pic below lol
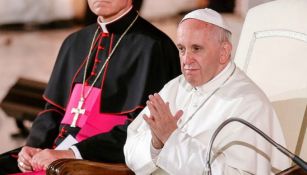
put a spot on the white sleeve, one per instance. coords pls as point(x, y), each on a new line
point(137, 148)
point(154, 153)
point(76, 152)
point(183, 154)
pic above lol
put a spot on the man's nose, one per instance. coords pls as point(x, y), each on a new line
point(187, 58)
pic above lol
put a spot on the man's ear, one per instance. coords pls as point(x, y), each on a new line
point(225, 52)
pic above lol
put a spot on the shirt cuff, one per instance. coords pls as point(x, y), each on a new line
point(76, 152)
point(154, 153)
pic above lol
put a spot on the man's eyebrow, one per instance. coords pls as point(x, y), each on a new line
point(197, 45)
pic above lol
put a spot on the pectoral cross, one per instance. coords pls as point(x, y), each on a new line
point(77, 111)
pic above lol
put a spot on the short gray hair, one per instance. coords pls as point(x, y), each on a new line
point(224, 35)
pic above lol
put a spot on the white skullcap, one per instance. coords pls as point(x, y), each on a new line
point(209, 16)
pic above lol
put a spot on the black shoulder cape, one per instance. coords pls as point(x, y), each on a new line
point(143, 62)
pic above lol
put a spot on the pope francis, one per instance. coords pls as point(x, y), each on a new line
point(171, 135)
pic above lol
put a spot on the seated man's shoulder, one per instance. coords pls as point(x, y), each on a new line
point(243, 87)
point(147, 29)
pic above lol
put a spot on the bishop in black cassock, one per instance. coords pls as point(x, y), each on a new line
point(144, 60)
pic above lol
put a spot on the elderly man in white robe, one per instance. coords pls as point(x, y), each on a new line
point(171, 135)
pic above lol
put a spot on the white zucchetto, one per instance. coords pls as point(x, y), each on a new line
point(209, 16)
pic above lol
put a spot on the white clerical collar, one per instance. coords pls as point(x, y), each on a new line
point(217, 81)
point(103, 24)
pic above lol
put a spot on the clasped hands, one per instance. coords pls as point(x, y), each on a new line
point(36, 159)
point(161, 121)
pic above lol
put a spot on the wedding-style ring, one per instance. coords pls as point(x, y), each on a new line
point(21, 164)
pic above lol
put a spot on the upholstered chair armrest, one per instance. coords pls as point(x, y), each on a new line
point(84, 167)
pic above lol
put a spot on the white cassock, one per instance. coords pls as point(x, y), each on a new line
point(237, 149)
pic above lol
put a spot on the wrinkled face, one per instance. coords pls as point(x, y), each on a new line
point(202, 54)
point(109, 9)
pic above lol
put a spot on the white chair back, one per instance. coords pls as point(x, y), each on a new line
point(272, 50)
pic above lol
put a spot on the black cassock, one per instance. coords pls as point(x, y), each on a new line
point(143, 62)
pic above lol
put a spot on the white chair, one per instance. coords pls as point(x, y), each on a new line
point(272, 50)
